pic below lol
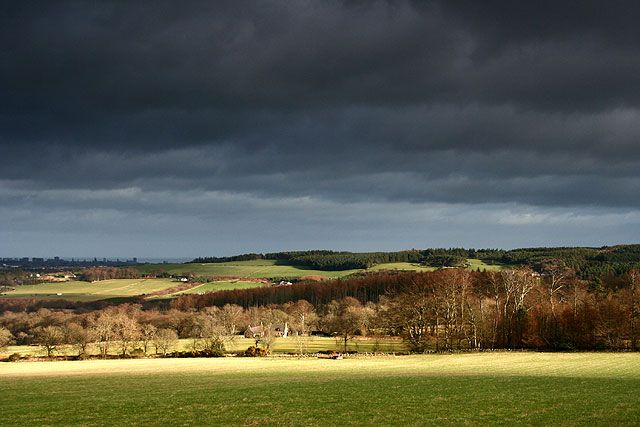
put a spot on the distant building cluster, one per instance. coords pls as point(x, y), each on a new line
point(35, 263)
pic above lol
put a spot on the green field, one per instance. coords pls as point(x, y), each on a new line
point(409, 266)
point(239, 343)
point(123, 288)
point(91, 291)
point(117, 288)
point(263, 268)
point(470, 389)
point(475, 264)
point(222, 285)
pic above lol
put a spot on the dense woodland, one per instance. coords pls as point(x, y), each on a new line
point(107, 273)
point(588, 263)
point(445, 310)
point(325, 260)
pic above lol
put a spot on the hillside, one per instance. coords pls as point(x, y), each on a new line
point(208, 277)
point(588, 262)
point(269, 268)
point(262, 268)
point(121, 288)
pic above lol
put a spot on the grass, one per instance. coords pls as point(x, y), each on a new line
point(221, 285)
point(117, 288)
point(91, 291)
point(409, 266)
point(280, 346)
point(475, 264)
point(123, 288)
point(471, 389)
point(263, 268)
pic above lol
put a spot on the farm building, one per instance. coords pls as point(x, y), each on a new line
point(253, 331)
point(278, 330)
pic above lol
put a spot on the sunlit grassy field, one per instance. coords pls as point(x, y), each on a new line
point(118, 288)
point(122, 288)
point(475, 264)
point(471, 389)
point(91, 291)
point(291, 344)
point(253, 269)
point(221, 285)
point(409, 266)
point(269, 268)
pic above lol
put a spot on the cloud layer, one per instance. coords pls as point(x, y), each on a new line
point(280, 125)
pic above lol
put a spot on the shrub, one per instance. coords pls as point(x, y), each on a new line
point(255, 352)
point(211, 353)
point(14, 357)
point(199, 353)
point(137, 353)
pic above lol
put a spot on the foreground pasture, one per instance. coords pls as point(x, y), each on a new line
point(498, 388)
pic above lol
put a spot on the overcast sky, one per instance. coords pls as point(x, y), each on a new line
point(170, 129)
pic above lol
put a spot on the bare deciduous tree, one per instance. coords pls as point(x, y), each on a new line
point(49, 337)
point(302, 317)
point(164, 339)
point(126, 331)
point(103, 328)
point(555, 276)
point(411, 313)
point(78, 337)
point(634, 303)
point(516, 285)
point(147, 332)
point(6, 338)
point(213, 332)
point(230, 316)
point(344, 319)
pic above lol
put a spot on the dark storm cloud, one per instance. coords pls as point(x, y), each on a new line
point(458, 102)
point(83, 60)
point(417, 154)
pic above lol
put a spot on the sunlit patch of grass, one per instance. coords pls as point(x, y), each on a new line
point(489, 388)
point(91, 291)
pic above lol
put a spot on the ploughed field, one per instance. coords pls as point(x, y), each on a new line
point(479, 388)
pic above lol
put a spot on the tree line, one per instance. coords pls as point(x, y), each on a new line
point(587, 262)
point(341, 260)
point(323, 259)
point(15, 277)
point(93, 274)
point(444, 310)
